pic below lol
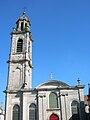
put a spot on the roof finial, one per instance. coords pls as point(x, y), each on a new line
point(51, 76)
point(78, 81)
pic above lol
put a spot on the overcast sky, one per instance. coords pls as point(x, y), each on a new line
point(61, 34)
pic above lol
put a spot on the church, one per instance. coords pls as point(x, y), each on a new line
point(51, 100)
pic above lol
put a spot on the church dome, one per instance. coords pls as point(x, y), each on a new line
point(52, 83)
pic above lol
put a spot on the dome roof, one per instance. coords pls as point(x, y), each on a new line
point(52, 83)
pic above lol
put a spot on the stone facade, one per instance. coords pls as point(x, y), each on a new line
point(52, 99)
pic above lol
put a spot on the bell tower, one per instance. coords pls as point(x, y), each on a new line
point(19, 82)
point(20, 59)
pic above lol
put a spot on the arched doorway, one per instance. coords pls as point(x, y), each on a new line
point(54, 117)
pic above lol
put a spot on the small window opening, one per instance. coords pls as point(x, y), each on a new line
point(25, 24)
point(17, 25)
point(21, 25)
point(20, 45)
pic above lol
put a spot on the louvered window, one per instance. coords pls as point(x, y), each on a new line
point(32, 112)
point(53, 101)
point(20, 45)
point(16, 112)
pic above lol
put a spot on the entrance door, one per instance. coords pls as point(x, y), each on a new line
point(54, 117)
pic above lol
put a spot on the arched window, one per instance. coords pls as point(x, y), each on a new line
point(16, 112)
point(75, 110)
point(53, 100)
point(54, 117)
point(32, 112)
point(20, 45)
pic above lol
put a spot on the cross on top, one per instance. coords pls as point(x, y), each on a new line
point(24, 10)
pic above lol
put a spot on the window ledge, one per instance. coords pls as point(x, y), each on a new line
point(53, 109)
